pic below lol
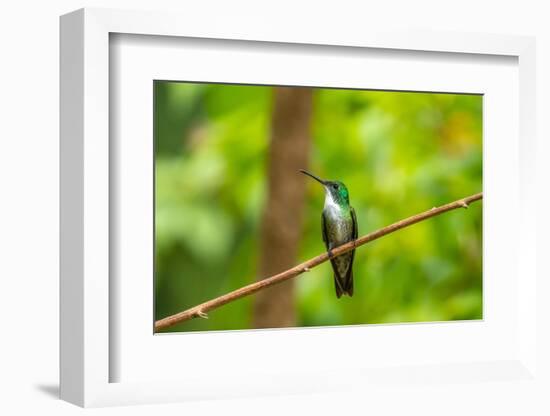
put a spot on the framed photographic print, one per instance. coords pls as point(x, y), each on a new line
point(230, 203)
point(267, 213)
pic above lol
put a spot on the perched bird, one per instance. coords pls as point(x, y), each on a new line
point(339, 226)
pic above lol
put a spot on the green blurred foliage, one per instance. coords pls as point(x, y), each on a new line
point(399, 153)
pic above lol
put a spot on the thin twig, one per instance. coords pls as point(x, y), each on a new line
point(200, 310)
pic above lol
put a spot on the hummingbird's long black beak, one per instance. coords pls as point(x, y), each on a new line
point(322, 182)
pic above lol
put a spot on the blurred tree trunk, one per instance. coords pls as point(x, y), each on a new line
point(282, 218)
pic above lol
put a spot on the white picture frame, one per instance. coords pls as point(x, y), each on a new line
point(86, 206)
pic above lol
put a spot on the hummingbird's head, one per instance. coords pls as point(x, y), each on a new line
point(335, 191)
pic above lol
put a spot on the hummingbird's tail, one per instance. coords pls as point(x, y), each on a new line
point(339, 290)
point(349, 286)
point(344, 287)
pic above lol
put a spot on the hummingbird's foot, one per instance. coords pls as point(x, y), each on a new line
point(330, 255)
point(202, 315)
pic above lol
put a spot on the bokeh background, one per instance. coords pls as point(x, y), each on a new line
point(232, 208)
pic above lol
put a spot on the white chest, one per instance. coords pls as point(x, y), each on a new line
point(332, 209)
point(340, 227)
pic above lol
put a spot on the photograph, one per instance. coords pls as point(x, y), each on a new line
point(254, 180)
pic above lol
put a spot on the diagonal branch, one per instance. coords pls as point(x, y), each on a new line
point(199, 311)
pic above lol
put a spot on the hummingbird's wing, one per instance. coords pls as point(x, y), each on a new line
point(337, 281)
point(354, 219)
point(349, 276)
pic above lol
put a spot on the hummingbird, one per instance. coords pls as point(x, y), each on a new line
point(339, 226)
